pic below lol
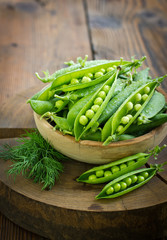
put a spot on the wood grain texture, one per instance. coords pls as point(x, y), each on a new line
point(69, 210)
point(130, 28)
point(37, 35)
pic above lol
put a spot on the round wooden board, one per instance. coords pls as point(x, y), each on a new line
point(69, 210)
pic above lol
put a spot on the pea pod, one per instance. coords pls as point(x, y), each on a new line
point(154, 122)
point(116, 101)
point(65, 79)
point(154, 106)
point(71, 68)
point(76, 108)
point(41, 107)
point(61, 123)
point(80, 126)
point(126, 66)
point(110, 171)
point(129, 182)
point(129, 111)
point(142, 75)
point(41, 95)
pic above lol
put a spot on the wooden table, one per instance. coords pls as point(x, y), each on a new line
point(37, 35)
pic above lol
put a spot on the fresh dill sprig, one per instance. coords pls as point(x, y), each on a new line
point(34, 158)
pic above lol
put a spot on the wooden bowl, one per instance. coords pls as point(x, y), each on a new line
point(94, 152)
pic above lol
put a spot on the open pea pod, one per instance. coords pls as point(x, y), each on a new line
point(116, 101)
point(89, 114)
point(154, 106)
point(138, 130)
point(76, 108)
point(129, 111)
point(110, 171)
point(127, 183)
point(79, 74)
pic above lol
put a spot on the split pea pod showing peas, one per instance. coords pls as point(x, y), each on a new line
point(128, 182)
point(129, 111)
point(89, 114)
point(108, 172)
point(85, 75)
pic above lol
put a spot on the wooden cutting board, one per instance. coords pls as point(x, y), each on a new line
point(69, 210)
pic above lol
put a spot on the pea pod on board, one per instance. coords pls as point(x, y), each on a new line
point(89, 114)
point(129, 182)
point(110, 171)
point(129, 111)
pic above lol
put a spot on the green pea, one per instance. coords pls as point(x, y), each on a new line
point(128, 181)
point(120, 128)
point(59, 103)
point(99, 173)
point(134, 178)
point(83, 120)
point(98, 74)
point(144, 174)
point(140, 179)
point(123, 166)
point(107, 173)
point(147, 89)
point(124, 120)
point(138, 97)
point(117, 187)
point(95, 107)
point(131, 162)
point(129, 106)
point(86, 79)
point(98, 101)
point(123, 185)
point(92, 177)
point(90, 75)
point(137, 107)
point(74, 81)
point(89, 114)
point(102, 70)
point(102, 94)
point(110, 69)
point(115, 169)
point(129, 116)
point(106, 88)
point(144, 97)
point(110, 190)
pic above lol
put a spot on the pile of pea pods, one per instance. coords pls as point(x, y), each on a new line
point(101, 100)
point(124, 175)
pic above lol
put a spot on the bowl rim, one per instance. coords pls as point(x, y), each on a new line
point(100, 144)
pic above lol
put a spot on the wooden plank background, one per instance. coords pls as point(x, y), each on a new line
point(37, 35)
